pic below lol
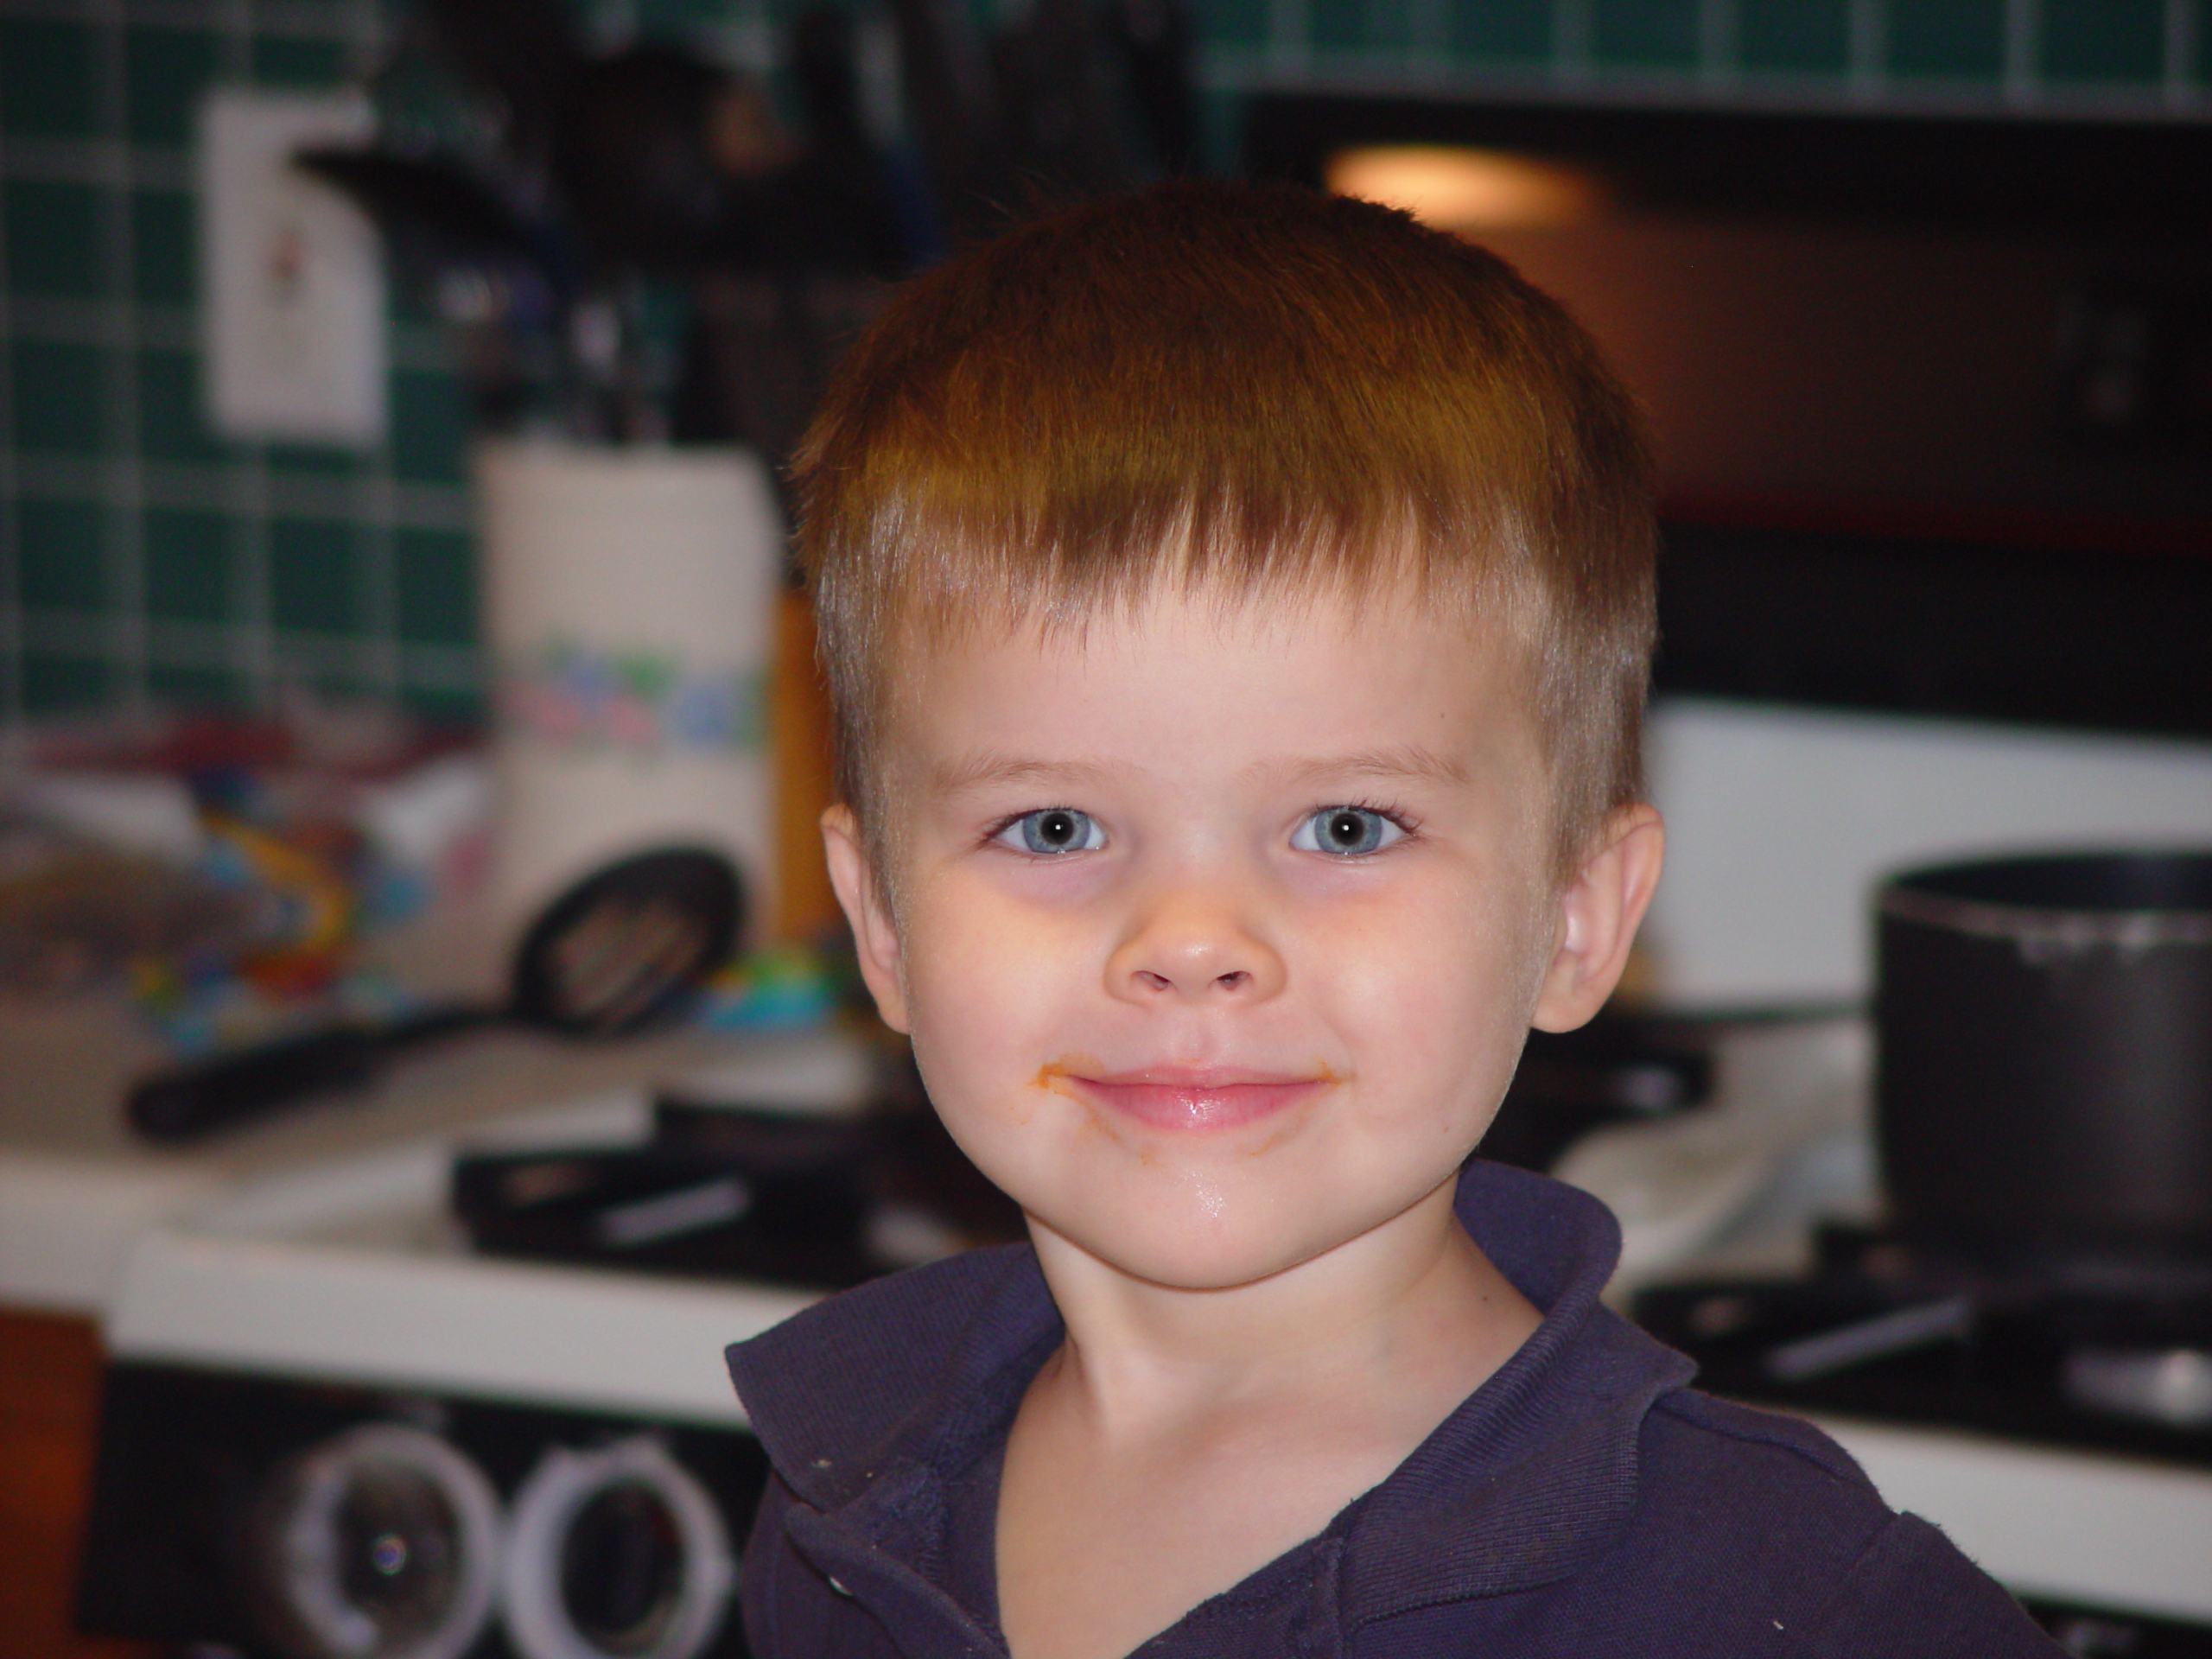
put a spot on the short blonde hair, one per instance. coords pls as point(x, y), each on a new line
point(1250, 390)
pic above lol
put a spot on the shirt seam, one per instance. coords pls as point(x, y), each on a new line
point(1668, 1403)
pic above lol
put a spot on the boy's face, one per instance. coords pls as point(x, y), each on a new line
point(1217, 940)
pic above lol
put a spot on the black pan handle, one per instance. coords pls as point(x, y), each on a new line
point(183, 1102)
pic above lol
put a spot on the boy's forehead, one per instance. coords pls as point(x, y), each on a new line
point(1383, 684)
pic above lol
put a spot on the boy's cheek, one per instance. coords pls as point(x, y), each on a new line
point(978, 972)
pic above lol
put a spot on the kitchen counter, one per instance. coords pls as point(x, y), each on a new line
point(76, 1187)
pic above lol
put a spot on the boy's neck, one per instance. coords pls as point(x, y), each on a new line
point(1404, 1320)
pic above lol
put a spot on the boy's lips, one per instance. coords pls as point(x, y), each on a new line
point(1196, 1097)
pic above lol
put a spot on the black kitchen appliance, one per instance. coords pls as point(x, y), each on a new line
point(2044, 1080)
point(1931, 391)
point(285, 1516)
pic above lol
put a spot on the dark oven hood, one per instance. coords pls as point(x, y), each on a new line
point(1932, 394)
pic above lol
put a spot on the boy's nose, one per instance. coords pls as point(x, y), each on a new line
point(1193, 945)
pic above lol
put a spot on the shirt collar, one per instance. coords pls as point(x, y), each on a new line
point(1533, 1474)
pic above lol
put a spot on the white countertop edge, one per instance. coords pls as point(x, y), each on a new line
point(66, 1224)
point(515, 1331)
point(2105, 1530)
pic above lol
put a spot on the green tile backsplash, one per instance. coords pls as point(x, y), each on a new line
point(142, 560)
point(50, 74)
point(1803, 37)
point(2115, 41)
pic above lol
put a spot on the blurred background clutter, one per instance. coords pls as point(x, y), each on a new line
point(426, 1035)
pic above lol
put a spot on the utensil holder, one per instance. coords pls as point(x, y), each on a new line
point(629, 605)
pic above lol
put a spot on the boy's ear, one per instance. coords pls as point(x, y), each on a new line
point(861, 895)
point(1599, 914)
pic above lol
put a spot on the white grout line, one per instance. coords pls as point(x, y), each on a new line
point(1867, 49)
point(1572, 57)
point(1381, 74)
point(215, 488)
point(441, 668)
point(614, 23)
point(375, 506)
point(378, 575)
point(2180, 44)
point(12, 734)
point(1719, 46)
point(247, 477)
point(173, 643)
point(250, 532)
point(2023, 61)
point(1428, 37)
point(96, 322)
point(83, 632)
point(306, 20)
point(1290, 35)
point(233, 21)
point(125, 540)
point(106, 162)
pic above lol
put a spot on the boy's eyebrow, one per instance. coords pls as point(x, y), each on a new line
point(982, 769)
point(1412, 763)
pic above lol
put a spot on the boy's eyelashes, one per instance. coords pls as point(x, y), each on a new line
point(1347, 830)
point(1050, 831)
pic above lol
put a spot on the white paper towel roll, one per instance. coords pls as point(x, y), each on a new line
point(629, 603)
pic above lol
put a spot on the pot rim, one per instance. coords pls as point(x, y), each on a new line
point(1908, 897)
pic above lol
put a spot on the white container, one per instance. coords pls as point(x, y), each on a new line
point(629, 607)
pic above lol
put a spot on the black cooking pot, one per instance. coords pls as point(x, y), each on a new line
point(2044, 1082)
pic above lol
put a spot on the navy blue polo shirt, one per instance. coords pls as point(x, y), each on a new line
point(1583, 1502)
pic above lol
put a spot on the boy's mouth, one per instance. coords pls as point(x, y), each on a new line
point(1187, 1097)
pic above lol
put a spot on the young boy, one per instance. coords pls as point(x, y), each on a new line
point(1237, 604)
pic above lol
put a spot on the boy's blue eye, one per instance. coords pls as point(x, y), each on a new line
point(1054, 829)
point(1345, 831)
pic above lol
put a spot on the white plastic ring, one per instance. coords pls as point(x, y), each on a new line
point(566, 1480)
point(308, 1572)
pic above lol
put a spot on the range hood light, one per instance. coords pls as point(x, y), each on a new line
point(1468, 190)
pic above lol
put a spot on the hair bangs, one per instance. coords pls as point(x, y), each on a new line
point(1252, 394)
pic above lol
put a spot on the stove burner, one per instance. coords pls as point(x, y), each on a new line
point(727, 1192)
point(2170, 1386)
point(2100, 1354)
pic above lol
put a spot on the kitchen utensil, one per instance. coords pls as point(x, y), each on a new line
point(1155, 40)
point(1061, 132)
point(2044, 1075)
point(525, 54)
point(634, 158)
point(946, 84)
point(435, 198)
point(614, 953)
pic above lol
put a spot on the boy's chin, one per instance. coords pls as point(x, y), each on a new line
point(1197, 1252)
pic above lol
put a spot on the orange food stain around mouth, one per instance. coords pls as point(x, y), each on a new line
point(1054, 1077)
point(1057, 1077)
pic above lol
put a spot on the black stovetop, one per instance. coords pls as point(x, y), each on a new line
point(1879, 1330)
